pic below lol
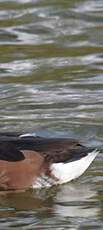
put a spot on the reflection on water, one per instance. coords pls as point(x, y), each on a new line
point(72, 201)
point(54, 207)
point(51, 84)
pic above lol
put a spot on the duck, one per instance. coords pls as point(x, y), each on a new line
point(28, 161)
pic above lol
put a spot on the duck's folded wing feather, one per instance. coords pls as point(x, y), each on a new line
point(9, 152)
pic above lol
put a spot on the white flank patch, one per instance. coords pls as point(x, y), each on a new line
point(66, 172)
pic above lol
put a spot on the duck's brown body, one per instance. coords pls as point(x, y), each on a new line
point(20, 174)
point(24, 158)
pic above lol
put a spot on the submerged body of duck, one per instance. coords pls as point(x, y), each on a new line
point(30, 161)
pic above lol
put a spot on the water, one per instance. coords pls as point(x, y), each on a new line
point(51, 84)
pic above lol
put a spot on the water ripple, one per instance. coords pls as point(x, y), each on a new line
point(51, 84)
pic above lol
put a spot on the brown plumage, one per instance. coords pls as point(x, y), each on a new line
point(20, 174)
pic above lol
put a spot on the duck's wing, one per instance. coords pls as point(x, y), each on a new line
point(9, 152)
